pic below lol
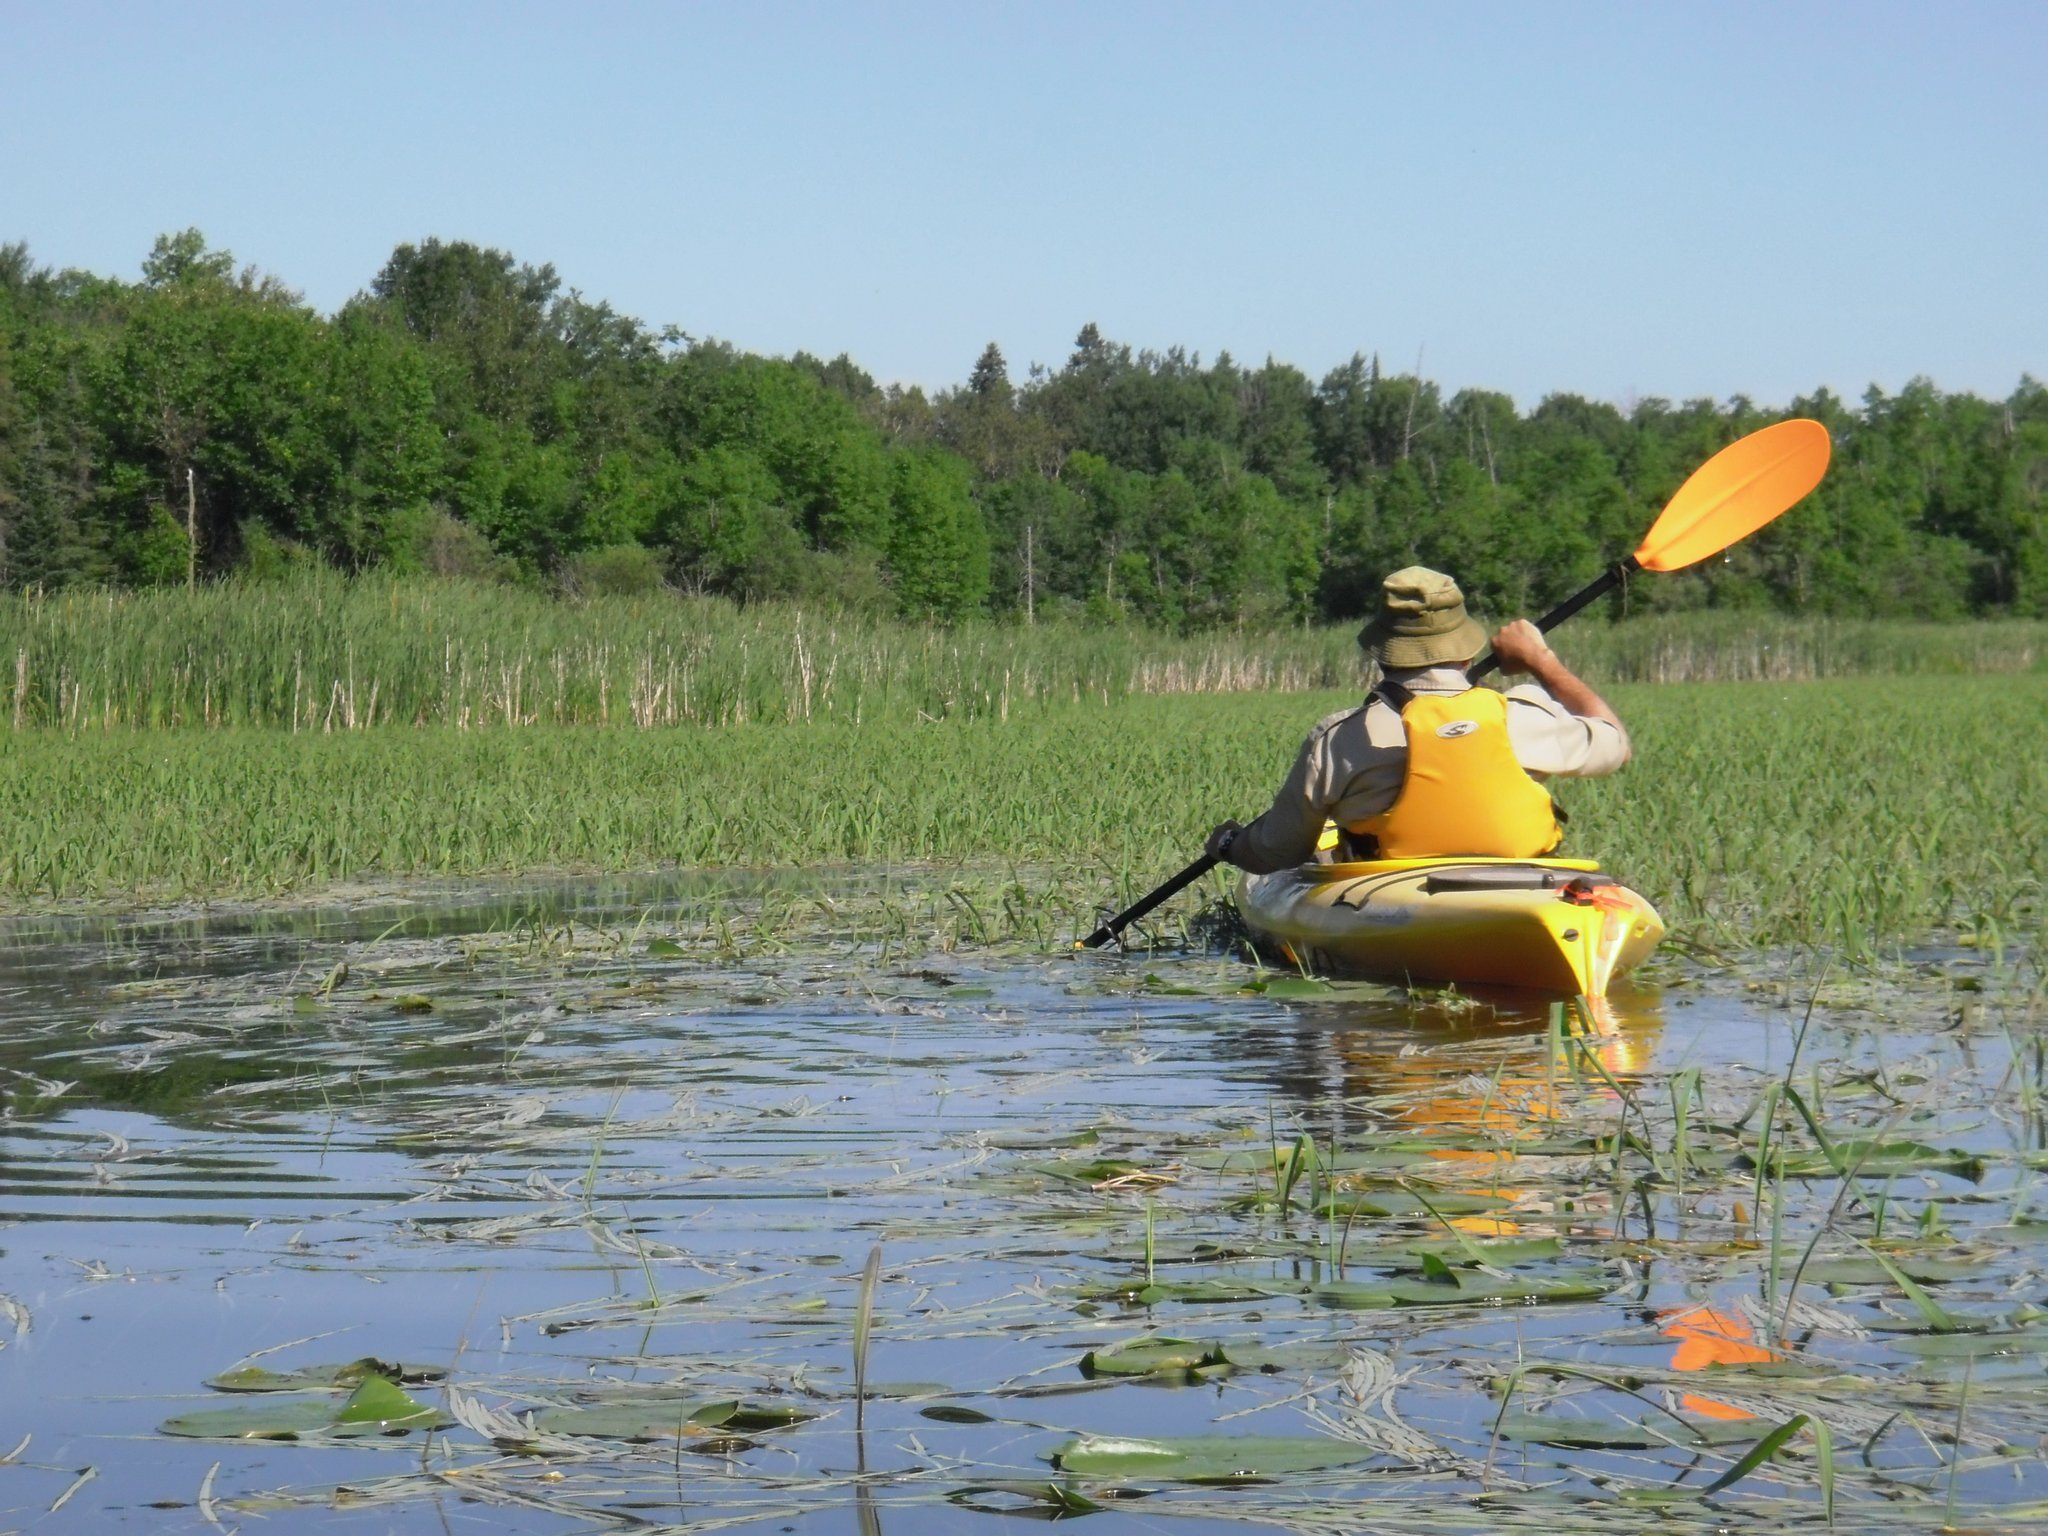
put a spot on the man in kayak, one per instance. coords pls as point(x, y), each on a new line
point(1431, 764)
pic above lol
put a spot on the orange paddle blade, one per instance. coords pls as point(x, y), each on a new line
point(1736, 492)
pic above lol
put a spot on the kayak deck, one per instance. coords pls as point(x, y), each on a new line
point(1551, 925)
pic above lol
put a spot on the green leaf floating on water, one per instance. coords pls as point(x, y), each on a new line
point(280, 1419)
point(652, 1416)
point(956, 1413)
point(1871, 1271)
point(1155, 1355)
point(1045, 1499)
point(1570, 1432)
point(1501, 1251)
point(1215, 1288)
point(1248, 1356)
point(348, 1374)
point(1355, 1295)
point(908, 1389)
point(1443, 1286)
point(1202, 1458)
point(383, 1403)
point(1397, 1203)
point(1573, 1433)
point(1876, 1160)
point(1100, 1170)
point(1192, 1360)
point(1293, 988)
point(1952, 1346)
point(376, 1407)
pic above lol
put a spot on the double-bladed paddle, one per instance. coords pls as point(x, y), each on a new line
point(1726, 499)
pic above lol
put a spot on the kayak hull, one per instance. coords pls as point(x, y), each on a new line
point(1548, 925)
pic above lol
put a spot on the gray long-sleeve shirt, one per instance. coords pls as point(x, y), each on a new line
point(1351, 767)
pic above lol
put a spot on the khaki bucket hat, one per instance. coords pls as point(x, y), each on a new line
point(1421, 622)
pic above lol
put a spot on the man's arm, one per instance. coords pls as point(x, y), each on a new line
point(1286, 835)
point(1520, 647)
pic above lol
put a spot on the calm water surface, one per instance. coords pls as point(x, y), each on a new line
point(570, 1145)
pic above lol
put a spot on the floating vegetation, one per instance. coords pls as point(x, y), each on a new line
point(744, 1207)
point(344, 1377)
point(377, 1406)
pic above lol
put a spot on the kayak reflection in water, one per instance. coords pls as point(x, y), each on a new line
point(1482, 1123)
point(1431, 764)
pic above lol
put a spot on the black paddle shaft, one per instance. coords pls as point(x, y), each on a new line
point(1600, 586)
point(1166, 892)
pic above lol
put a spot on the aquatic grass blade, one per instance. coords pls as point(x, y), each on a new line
point(863, 1333)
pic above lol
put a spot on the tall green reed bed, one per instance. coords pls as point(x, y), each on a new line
point(322, 652)
point(1854, 813)
point(1719, 646)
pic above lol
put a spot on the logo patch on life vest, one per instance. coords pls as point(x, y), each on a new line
point(1457, 728)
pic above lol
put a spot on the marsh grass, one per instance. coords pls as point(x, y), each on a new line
point(1853, 815)
point(322, 652)
point(325, 653)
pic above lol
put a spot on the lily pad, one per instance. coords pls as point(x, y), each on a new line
point(908, 1389)
point(1355, 1295)
point(1574, 1433)
point(1396, 1203)
point(1294, 988)
point(1285, 1357)
point(376, 1407)
point(1496, 1251)
point(1447, 1287)
point(349, 1374)
point(1953, 1346)
point(656, 1416)
point(384, 1404)
point(1100, 1170)
point(756, 1416)
point(1045, 1499)
point(956, 1413)
point(1154, 1355)
point(1878, 1160)
point(1203, 1458)
point(1863, 1271)
point(275, 1420)
point(1215, 1288)
point(1571, 1432)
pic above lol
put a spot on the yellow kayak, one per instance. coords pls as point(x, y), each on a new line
point(1551, 925)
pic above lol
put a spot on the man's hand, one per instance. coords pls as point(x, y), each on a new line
point(1221, 839)
point(1520, 647)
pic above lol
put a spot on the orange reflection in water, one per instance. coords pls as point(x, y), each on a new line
point(1707, 1337)
point(1617, 1037)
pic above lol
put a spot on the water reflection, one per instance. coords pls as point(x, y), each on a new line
point(1390, 1045)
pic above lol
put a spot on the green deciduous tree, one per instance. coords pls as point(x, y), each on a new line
point(938, 549)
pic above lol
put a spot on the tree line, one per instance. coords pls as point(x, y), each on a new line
point(467, 414)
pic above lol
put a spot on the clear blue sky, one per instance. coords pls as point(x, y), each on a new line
point(1618, 200)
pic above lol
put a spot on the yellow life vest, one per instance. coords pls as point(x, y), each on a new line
point(1465, 795)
